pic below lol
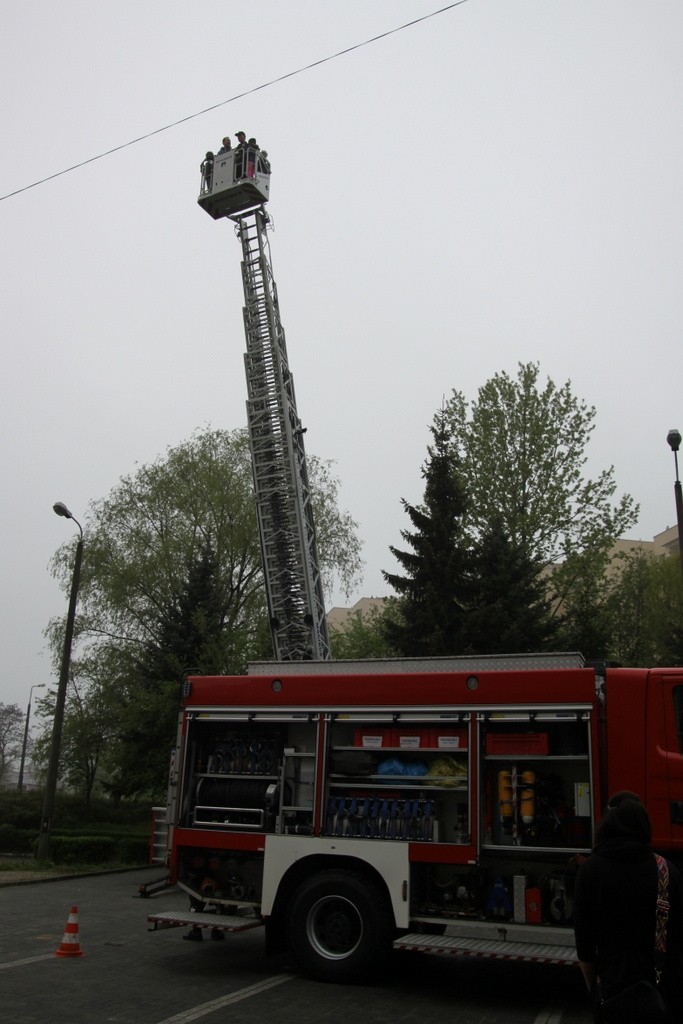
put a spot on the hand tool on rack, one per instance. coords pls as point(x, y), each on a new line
point(384, 819)
point(427, 812)
point(352, 818)
point(342, 812)
point(331, 815)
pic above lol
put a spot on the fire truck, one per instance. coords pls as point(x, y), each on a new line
point(348, 808)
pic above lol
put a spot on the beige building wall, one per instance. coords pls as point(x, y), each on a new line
point(338, 616)
point(664, 543)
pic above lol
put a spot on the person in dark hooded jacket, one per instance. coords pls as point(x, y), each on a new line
point(615, 902)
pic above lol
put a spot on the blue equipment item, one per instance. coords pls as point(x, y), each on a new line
point(499, 901)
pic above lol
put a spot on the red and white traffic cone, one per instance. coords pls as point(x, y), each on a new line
point(70, 945)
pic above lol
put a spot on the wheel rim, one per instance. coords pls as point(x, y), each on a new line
point(334, 927)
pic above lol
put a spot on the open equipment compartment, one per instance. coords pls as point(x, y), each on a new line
point(400, 776)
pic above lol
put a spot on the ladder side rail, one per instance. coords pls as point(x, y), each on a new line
point(317, 599)
point(293, 589)
point(299, 471)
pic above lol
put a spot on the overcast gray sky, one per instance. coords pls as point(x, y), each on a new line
point(498, 183)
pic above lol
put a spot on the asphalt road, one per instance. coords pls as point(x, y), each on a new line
point(130, 975)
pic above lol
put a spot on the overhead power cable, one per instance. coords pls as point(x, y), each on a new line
point(232, 99)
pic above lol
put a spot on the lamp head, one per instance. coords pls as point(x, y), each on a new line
point(674, 439)
point(60, 508)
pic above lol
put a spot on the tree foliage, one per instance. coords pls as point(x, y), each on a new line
point(86, 734)
point(172, 583)
point(363, 635)
point(645, 605)
point(509, 610)
point(11, 736)
point(433, 589)
point(530, 526)
point(523, 450)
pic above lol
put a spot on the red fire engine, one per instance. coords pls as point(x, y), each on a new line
point(347, 807)
point(442, 805)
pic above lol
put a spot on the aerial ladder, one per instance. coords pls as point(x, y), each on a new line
point(235, 185)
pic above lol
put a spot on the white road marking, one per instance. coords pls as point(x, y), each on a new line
point(27, 960)
point(235, 997)
point(549, 1016)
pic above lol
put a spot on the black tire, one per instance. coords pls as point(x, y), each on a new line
point(340, 925)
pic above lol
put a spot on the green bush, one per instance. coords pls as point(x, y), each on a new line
point(23, 810)
point(105, 833)
point(134, 850)
point(98, 849)
point(82, 849)
point(16, 840)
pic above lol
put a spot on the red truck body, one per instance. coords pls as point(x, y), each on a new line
point(440, 806)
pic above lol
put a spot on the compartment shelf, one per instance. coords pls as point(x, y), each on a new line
point(536, 757)
point(451, 751)
point(234, 775)
point(399, 782)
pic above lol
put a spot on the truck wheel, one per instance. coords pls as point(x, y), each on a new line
point(340, 925)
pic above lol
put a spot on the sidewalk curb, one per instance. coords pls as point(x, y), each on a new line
point(6, 882)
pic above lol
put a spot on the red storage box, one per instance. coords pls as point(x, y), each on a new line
point(410, 739)
point(525, 743)
point(372, 739)
point(448, 739)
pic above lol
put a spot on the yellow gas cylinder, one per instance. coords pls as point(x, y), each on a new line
point(505, 800)
point(527, 798)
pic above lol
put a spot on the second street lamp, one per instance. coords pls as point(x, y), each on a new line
point(674, 441)
point(36, 686)
point(53, 766)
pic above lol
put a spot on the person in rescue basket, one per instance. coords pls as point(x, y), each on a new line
point(618, 909)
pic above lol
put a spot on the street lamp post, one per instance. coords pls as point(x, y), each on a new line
point(36, 686)
point(53, 766)
point(674, 441)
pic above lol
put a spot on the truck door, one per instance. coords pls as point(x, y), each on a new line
point(665, 759)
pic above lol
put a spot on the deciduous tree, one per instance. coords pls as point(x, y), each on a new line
point(11, 735)
point(524, 452)
point(172, 582)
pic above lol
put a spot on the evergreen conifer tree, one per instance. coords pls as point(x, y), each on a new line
point(432, 593)
point(510, 611)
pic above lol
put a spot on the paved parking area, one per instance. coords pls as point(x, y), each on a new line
point(129, 975)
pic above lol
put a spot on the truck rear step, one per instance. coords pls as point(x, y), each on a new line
point(219, 922)
point(456, 946)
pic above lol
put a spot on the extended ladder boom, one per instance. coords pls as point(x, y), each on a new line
point(283, 497)
point(235, 185)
